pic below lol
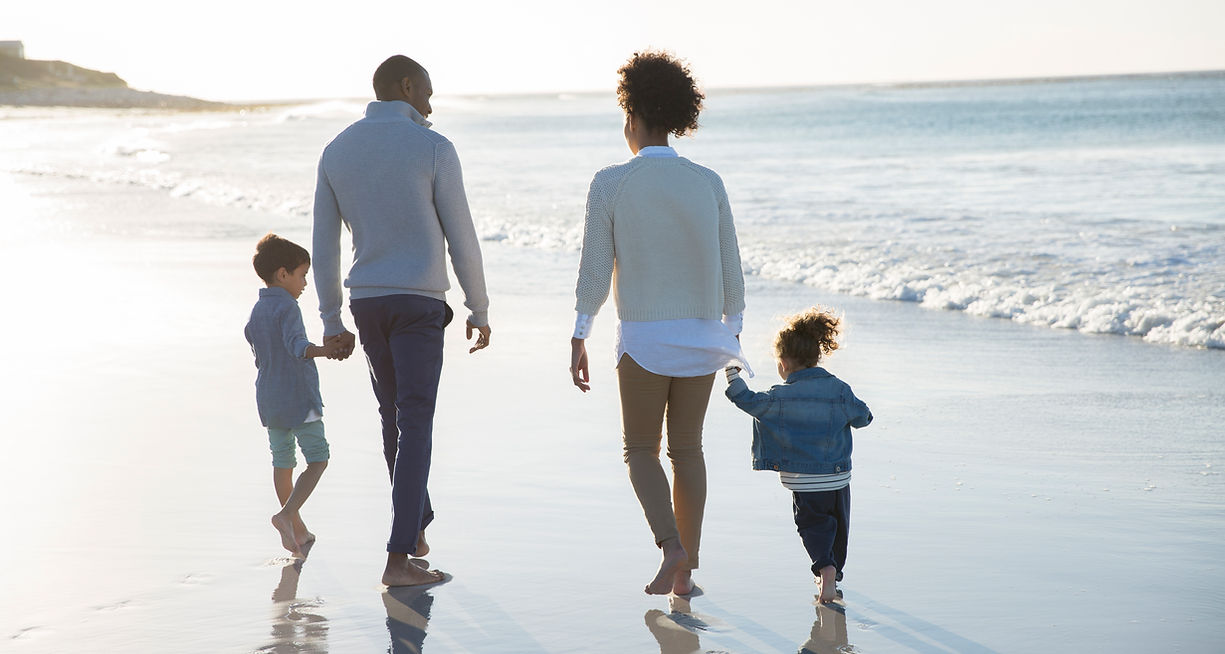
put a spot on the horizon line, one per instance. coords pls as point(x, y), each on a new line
point(932, 83)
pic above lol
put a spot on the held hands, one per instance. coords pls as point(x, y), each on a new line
point(578, 364)
point(339, 346)
point(482, 339)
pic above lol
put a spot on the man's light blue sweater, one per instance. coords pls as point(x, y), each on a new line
point(397, 186)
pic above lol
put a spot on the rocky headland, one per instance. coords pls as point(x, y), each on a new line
point(36, 83)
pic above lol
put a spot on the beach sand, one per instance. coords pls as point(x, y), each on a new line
point(1021, 488)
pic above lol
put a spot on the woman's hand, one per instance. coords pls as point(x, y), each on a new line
point(578, 364)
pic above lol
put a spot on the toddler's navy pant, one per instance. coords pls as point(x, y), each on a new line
point(823, 519)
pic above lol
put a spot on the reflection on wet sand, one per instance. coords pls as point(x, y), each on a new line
point(408, 616)
point(297, 626)
point(829, 631)
point(678, 632)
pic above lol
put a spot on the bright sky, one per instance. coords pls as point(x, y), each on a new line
point(274, 49)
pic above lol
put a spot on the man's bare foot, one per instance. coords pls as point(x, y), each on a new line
point(674, 557)
point(828, 585)
point(682, 582)
point(284, 526)
point(403, 573)
point(423, 547)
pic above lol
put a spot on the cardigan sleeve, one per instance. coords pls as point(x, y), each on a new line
point(729, 251)
point(595, 268)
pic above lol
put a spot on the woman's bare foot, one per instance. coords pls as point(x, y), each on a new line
point(423, 547)
point(674, 557)
point(828, 586)
point(284, 526)
point(399, 572)
point(682, 582)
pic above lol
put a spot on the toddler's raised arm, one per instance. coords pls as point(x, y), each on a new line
point(754, 404)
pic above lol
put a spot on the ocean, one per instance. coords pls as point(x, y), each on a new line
point(1090, 204)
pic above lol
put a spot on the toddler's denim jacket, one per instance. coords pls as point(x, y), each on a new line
point(804, 424)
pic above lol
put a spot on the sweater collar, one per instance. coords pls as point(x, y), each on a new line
point(814, 372)
point(657, 152)
point(395, 108)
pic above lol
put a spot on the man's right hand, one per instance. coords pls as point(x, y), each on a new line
point(343, 344)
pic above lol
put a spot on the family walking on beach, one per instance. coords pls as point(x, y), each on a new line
point(658, 235)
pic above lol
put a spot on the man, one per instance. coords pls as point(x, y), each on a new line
point(397, 186)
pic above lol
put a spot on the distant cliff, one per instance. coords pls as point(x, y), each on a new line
point(30, 82)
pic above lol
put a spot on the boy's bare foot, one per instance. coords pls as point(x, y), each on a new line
point(284, 526)
point(423, 547)
point(403, 573)
point(674, 557)
point(682, 582)
point(828, 585)
point(304, 538)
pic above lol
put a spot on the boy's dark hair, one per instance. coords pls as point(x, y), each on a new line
point(273, 253)
point(658, 89)
point(807, 337)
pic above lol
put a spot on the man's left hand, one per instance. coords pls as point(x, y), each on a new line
point(482, 338)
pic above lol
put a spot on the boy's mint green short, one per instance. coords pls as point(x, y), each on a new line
point(310, 439)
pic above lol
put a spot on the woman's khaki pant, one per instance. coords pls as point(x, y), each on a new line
point(646, 398)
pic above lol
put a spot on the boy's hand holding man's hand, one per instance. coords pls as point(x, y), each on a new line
point(339, 346)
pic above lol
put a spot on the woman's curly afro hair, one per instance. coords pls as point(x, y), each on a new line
point(659, 89)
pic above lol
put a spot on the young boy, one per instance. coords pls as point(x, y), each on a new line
point(802, 428)
point(287, 385)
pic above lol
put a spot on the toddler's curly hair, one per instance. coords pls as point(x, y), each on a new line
point(808, 337)
point(659, 89)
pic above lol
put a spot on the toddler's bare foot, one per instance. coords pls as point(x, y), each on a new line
point(406, 574)
point(828, 586)
point(423, 547)
point(284, 526)
point(682, 582)
point(674, 557)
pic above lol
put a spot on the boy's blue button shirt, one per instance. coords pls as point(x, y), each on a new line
point(803, 424)
point(287, 385)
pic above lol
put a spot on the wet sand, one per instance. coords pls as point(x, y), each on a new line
point(1021, 488)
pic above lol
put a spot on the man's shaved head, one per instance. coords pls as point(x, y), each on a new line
point(389, 73)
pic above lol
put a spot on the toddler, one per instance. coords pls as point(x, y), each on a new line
point(802, 429)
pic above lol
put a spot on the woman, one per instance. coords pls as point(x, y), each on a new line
point(659, 232)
